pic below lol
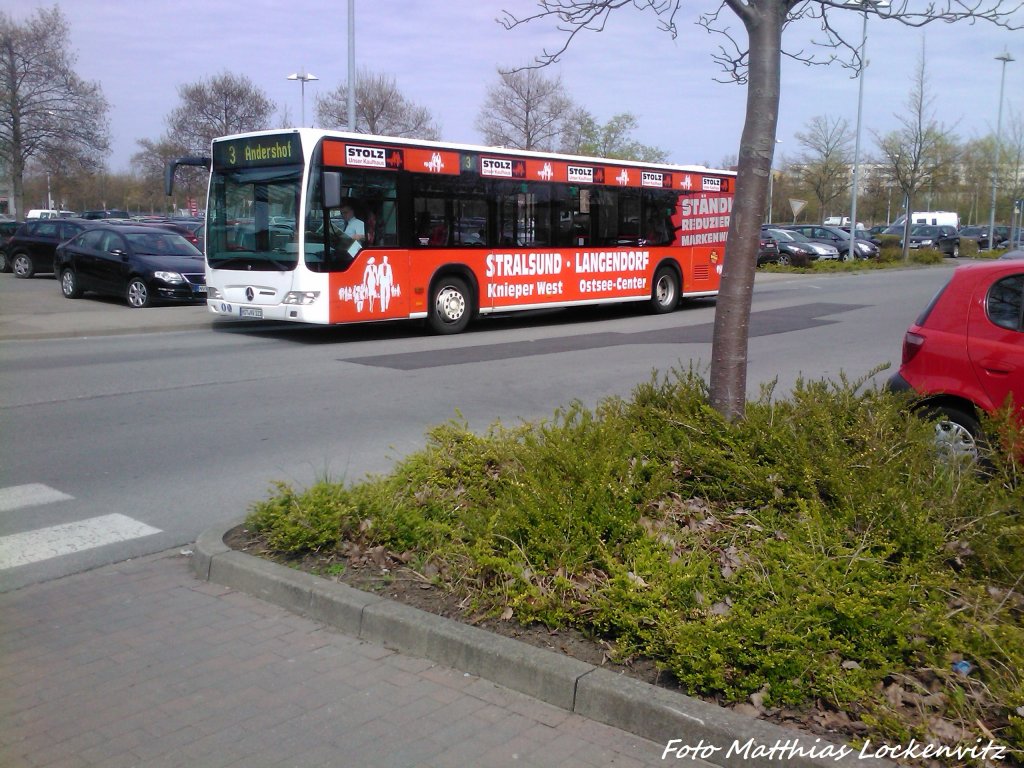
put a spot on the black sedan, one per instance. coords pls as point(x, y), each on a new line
point(31, 248)
point(980, 235)
point(141, 263)
point(942, 238)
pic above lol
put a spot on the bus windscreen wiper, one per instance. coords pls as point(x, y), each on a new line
point(261, 262)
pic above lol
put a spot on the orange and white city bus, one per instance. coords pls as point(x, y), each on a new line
point(325, 227)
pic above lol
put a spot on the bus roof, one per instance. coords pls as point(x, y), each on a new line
point(312, 135)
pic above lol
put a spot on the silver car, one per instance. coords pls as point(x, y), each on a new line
point(824, 250)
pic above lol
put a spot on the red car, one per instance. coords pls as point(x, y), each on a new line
point(965, 353)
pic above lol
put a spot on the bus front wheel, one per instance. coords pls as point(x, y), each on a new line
point(665, 292)
point(450, 306)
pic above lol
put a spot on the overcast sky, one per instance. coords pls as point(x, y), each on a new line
point(444, 54)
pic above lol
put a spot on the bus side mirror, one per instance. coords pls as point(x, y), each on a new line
point(172, 166)
point(332, 189)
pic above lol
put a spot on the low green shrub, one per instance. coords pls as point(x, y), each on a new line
point(926, 256)
point(814, 551)
point(969, 248)
point(893, 255)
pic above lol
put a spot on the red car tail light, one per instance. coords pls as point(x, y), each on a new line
point(912, 343)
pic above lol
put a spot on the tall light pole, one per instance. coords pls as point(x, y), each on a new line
point(771, 183)
point(303, 77)
point(352, 65)
point(863, 5)
point(1006, 58)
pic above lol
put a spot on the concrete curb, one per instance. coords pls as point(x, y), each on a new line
point(653, 713)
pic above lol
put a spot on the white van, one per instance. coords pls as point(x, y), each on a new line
point(934, 218)
point(840, 221)
point(42, 213)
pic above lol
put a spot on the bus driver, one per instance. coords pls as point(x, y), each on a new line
point(354, 227)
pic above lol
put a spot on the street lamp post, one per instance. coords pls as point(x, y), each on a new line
point(352, 65)
point(771, 183)
point(863, 5)
point(303, 77)
point(1006, 58)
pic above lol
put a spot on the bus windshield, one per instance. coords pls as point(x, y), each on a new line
point(253, 218)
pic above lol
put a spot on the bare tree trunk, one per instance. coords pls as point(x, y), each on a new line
point(728, 378)
point(908, 224)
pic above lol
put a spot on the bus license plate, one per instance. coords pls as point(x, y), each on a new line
point(256, 312)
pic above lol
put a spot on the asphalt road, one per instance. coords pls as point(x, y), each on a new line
point(128, 432)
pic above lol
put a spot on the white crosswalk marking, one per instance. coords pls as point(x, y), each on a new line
point(44, 543)
point(30, 495)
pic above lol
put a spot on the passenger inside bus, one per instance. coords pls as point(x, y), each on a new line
point(658, 230)
point(439, 234)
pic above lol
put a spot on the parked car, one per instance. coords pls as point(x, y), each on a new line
point(790, 250)
point(142, 263)
point(105, 214)
point(824, 251)
point(166, 224)
point(941, 237)
point(31, 249)
point(980, 235)
point(836, 237)
point(7, 229)
point(192, 230)
point(767, 251)
point(963, 356)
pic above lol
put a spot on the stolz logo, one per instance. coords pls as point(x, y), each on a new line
point(366, 157)
point(653, 179)
point(712, 184)
point(492, 166)
point(578, 174)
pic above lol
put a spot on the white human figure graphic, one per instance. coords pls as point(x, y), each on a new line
point(385, 278)
point(370, 280)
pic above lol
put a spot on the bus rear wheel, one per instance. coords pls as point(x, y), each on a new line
point(450, 306)
point(665, 292)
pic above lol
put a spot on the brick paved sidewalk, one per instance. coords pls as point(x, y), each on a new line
point(141, 664)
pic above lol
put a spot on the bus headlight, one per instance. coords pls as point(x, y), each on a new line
point(212, 293)
point(168, 277)
point(301, 297)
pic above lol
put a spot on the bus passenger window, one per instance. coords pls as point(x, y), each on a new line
point(431, 221)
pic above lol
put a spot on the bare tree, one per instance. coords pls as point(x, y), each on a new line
point(47, 112)
point(219, 106)
point(919, 151)
point(614, 139)
point(976, 174)
point(824, 166)
point(525, 110)
point(149, 164)
point(1012, 165)
point(756, 63)
point(381, 109)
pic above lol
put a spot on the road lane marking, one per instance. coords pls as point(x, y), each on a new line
point(45, 543)
point(31, 495)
